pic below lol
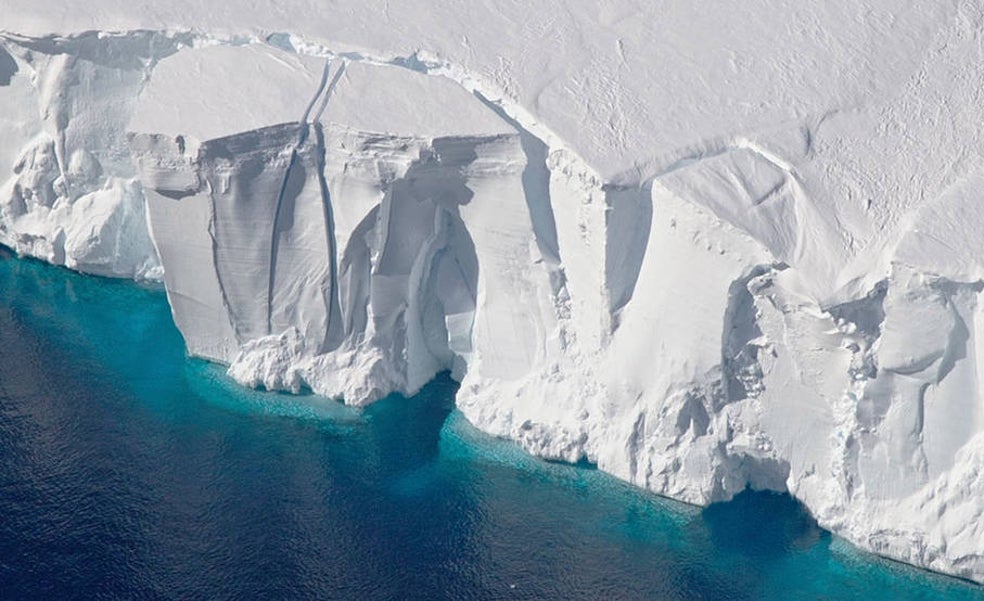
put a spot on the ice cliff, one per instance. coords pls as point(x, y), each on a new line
point(703, 248)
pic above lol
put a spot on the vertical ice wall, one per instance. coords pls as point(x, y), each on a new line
point(298, 249)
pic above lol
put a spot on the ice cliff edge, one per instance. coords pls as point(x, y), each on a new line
point(767, 275)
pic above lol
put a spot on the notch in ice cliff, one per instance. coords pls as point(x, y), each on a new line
point(778, 306)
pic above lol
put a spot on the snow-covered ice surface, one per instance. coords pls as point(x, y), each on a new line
point(703, 245)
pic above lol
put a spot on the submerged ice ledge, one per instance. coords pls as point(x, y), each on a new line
point(356, 225)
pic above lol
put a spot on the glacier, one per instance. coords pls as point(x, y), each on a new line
point(702, 247)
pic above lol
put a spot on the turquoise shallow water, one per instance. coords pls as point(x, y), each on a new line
point(128, 471)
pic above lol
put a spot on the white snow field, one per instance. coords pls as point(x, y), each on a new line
point(704, 245)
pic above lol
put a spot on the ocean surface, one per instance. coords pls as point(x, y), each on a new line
point(129, 471)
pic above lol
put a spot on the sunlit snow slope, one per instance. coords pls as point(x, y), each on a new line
point(703, 245)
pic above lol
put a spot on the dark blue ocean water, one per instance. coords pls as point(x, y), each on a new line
point(128, 471)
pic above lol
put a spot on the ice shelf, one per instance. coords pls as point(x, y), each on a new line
point(704, 247)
